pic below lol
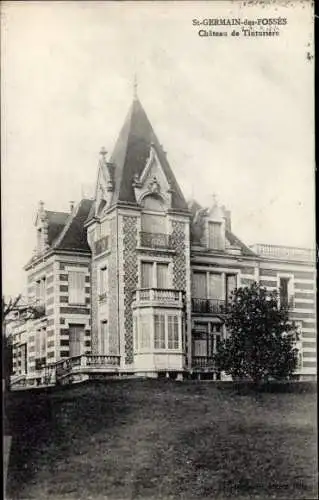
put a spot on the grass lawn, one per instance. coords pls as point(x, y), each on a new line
point(161, 439)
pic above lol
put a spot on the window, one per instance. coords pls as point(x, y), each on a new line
point(76, 287)
point(172, 333)
point(147, 275)
point(40, 291)
point(153, 202)
point(76, 340)
point(159, 331)
point(24, 359)
point(103, 281)
point(155, 275)
point(283, 291)
point(215, 286)
point(199, 285)
point(200, 339)
point(104, 341)
point(162, 275)
point(215, 235)
point(145, 332)
point(40, 343)
point(231, 284)
point(40, 349)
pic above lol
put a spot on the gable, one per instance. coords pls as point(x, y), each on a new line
point(153, 187)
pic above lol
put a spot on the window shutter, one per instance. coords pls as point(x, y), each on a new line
point(215, 289)
point(38, 344)
point(215, 235)
point(76, 339)
point(147, 274)
point(103, 280)
point(162, 275)
point(172, 335)
point(76, 287)
point(159, 333)
point(104, 338)
point(199, 286)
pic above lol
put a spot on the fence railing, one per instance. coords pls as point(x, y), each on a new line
point(207, 306)
point(155, 240)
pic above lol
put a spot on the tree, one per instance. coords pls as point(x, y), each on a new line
point(26, 312)
point(261, 341)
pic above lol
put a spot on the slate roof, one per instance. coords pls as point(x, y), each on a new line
point(56, 222)
point(73, 235)
point(131, 152)
point(197, 230)
point(66, 231)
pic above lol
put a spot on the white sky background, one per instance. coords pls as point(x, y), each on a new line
point(235, 115)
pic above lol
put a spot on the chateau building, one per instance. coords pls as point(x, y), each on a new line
point(132, 282)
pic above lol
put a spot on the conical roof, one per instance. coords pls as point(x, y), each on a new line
point(130, 155)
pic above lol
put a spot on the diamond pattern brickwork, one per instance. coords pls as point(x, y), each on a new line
point(130, 240)
point(179, 258)
point(113, 292)
point(94, 308)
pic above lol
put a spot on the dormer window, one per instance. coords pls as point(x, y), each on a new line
point(215, 236)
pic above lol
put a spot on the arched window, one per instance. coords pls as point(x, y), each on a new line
point(153, 202)
point(153, 215)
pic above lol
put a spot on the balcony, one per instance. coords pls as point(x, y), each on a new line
point(158, 296)
point(101, 245)
point(86, 363)
point(155, 240)
point(203, 362)
point(208, 306)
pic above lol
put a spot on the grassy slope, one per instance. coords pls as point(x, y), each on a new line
point(159, 439)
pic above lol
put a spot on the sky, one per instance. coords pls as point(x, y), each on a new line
point(235, 114)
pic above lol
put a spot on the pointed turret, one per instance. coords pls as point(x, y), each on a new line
point(131, 154)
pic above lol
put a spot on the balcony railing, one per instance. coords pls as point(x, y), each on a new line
point(282, 252)
point(207, 306)
point(84, 362)
point(101, 245)
point(203, 362)
point(162, 295)
point(155, 240)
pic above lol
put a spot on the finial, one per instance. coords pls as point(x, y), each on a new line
point(135, 87)
point(103, 152)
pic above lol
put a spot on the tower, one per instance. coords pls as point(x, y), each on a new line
point(138, 231)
